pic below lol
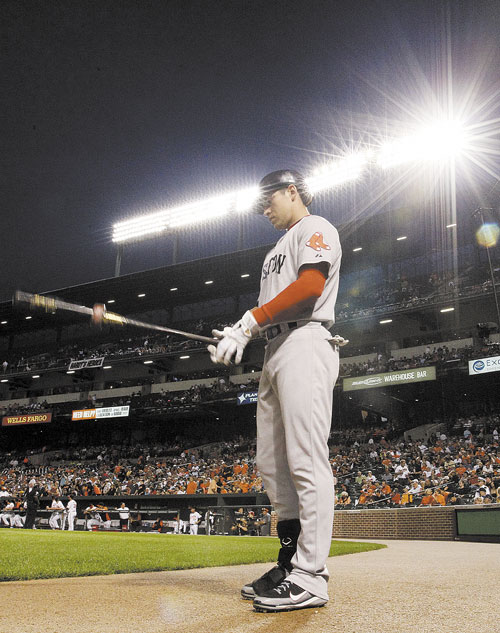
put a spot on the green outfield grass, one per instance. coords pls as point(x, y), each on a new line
point(27, 554)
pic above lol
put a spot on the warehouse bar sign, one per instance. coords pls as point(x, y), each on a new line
point(390, 378)
point(86, 363)
point(42, 417)
point(98, 414)
point(484, 365)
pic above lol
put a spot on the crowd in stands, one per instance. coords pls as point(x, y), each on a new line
point(126, 347)
point(158, 403)
point(398, 292)
point(402, 292)
point(454, 468)
point(166, 401)
point(383, 363)
point(138, 470)
point(440, 356)
point(461, 466)
point(17, 409)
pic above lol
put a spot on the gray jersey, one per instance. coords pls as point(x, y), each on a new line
point(312, 240)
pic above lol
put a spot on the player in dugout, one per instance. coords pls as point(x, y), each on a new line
point(296, 309)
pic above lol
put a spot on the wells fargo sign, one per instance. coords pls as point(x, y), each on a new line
point(41, 417)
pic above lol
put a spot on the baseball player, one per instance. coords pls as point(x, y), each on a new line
point(18, 519)
point(55, 519)
point(296, 305)
point(92, 516)
point(71, 513)
point(124, 514)
point(7, 514)
point(194, 521)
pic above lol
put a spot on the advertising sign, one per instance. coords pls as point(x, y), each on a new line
point(247, 397)
point(390, 378)
point(104, 412)
point(484, 365)
point(41, 417)
point(86, 363)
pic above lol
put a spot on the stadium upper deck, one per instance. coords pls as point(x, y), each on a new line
point(391, 244)
point(392, 297)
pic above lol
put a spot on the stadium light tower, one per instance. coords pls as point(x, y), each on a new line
point(232, 203)
point(441, 142)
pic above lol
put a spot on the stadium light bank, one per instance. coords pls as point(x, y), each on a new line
point(437, 142)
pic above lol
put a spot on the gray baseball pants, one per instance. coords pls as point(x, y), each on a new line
point(293, 424)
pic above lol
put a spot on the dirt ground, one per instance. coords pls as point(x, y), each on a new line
point(412, 586)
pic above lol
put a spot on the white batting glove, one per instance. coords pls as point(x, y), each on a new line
point(339, 340)
point(233, 340)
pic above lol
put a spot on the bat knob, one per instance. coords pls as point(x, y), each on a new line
point(98, 314)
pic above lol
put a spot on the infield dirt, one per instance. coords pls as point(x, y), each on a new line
point(411, 586)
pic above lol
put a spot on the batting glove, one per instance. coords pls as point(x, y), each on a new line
point(339, 340)
point(233, 340)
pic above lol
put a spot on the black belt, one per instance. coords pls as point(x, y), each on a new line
point(276, 330)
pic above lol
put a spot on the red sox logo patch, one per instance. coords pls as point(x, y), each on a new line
point(316, 242)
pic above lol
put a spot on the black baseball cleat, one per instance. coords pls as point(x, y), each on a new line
point(265, 583)
point(286, 597)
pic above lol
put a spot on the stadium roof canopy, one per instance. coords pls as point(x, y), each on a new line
point(374, 242)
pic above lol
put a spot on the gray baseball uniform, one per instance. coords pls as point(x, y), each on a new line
point(295, 399)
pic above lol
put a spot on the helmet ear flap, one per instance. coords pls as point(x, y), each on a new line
point(305, 194)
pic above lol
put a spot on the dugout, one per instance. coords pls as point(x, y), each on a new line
point(472, 523)
point(167, 507)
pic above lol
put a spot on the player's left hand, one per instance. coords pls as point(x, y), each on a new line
point(339, 340)
point(233, 340)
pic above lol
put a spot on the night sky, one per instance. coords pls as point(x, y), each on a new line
point(110, 108)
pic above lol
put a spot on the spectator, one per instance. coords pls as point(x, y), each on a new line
point(401, 471)
point(428, 499)
point(344, 499)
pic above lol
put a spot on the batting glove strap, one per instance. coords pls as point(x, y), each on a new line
point(249, 324)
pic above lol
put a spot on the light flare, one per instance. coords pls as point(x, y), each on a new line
point(487, 234)
point(440, 141)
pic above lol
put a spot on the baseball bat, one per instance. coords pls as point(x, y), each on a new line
point(99, 314)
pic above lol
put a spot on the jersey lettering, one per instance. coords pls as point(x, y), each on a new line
point(316, 242)
point(274, 265)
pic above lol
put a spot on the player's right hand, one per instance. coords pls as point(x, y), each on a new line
point(232, 343)
point(233, 340)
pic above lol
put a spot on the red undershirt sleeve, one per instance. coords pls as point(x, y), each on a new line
point(289, 303)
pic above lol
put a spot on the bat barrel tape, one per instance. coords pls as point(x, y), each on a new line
point(49, 304)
